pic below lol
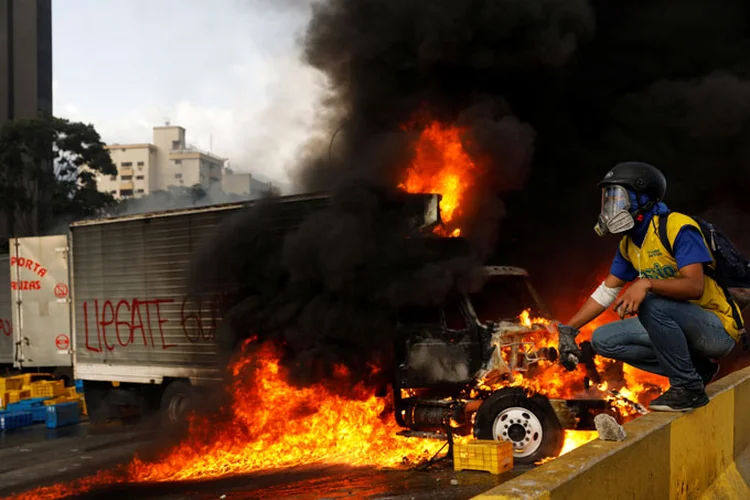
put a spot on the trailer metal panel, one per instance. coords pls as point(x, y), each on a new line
point(131, 308)
point(132, 319)
point(40, 301)
point(6, 323)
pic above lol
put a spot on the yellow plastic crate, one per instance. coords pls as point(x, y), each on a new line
point(71, 391)
point(12, 397)
point(10, 384)
point(29, 378)
point(485, 455)
point(24, 394)
point(84, 410)
point(60, 399)
point(47, 389)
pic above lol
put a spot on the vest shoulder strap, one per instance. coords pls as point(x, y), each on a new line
point(663, 237)
point(624, 247)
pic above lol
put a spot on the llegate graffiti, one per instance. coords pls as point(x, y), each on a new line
point(6, 327)
point(29, 264)
point(123, 319)
point(120, 323)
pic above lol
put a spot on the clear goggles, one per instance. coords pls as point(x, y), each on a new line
point(614, 199)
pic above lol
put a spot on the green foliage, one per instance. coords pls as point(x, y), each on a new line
point(41, 166)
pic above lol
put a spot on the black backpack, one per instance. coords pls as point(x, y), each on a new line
point(732, 267)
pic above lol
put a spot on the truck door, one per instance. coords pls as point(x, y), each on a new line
point(40, 299)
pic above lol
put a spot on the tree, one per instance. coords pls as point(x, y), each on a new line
point(48, 169)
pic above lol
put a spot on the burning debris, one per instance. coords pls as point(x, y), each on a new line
point(452, 98)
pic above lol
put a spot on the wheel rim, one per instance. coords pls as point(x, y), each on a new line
point(177, 407)
point(521, 427)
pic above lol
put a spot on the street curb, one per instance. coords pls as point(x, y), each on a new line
point(664, 455)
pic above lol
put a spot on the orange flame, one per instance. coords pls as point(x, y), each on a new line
point(271, 424)
point(551, 379)
point(442, 165)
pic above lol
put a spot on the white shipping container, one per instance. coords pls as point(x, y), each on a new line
point(40, 302)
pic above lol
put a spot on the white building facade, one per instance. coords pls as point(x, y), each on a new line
point(168, 161)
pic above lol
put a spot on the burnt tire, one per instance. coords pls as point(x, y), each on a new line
point(529, 423)
point(177, 401)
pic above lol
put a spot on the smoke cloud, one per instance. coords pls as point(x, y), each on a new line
point(328, 289)
point(550, 94)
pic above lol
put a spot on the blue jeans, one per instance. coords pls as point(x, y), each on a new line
point(670, 338)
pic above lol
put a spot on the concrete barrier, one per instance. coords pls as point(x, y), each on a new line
point(665, 456)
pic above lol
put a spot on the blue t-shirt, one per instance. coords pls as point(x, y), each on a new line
point(689, 248)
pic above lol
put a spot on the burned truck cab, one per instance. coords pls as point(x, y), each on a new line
point(444, 351)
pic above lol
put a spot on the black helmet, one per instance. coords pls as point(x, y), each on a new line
point(638, 177)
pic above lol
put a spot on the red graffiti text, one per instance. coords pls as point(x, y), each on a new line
point(6, 327)
point(199, 319)
point(124, 322)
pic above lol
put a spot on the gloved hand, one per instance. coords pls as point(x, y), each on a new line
point(570, 353)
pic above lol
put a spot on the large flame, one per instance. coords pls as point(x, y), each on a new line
point(552, 380)
point(442, 165)
point(270, 424)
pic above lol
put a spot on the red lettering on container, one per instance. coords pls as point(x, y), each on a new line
point(127, 316)
point(119, 323)
point(23, 285)
point(6, 327)
point(89, 347)
point(106, 322)
point(194, 315)
point(31, 265)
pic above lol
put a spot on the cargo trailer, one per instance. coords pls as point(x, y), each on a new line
point(35, 333)
point(134, 324)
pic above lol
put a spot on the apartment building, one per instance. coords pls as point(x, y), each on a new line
point(245, 184)
point(167, 161)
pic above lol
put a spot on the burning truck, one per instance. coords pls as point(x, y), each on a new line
point(470, 364)
point(464, 370)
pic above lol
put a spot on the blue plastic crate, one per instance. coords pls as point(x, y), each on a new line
point(63, 414)
point(26, 404)
point(79, 385)
point(14, 420)
point(35, 406)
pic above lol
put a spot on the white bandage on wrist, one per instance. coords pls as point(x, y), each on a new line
point(605, 296)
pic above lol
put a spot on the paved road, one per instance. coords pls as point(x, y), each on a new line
point(36, 456)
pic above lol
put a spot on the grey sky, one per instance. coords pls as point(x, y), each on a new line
point(227, 68)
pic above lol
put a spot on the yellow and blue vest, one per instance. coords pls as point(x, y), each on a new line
point(654, 261)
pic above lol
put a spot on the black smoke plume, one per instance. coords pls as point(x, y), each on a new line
point(551, 94)
point(598, 82)
point(327, 289)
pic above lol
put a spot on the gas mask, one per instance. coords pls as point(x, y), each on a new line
point(615, 216)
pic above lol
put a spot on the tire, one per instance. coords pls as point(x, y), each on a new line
point(176, 402)
point(530, 423)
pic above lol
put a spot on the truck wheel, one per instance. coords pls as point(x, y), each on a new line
point(176, 403)
point(529, 423)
